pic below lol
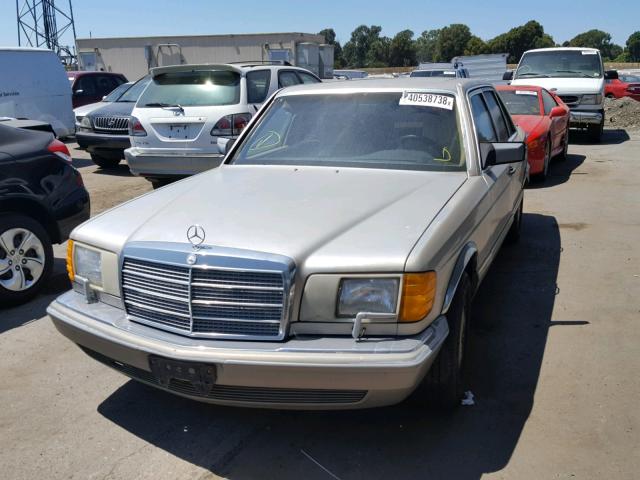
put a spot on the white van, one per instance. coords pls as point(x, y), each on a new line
point(34, 86)
point(576, 75)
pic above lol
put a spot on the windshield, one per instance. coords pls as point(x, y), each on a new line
point(116, 92)
point(192, 89)
point(521, 102)
point(367, 130)
point(630, 78)
point(133, 93)
point(433, 73)
point(560, 63)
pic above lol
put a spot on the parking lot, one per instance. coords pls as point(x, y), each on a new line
point(554, 368)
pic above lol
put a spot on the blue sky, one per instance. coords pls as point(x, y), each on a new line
point(486, 19)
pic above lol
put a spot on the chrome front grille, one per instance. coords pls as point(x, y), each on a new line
point(112, 124)
point(204, 301)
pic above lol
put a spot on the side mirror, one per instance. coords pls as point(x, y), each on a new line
point(79, 92)
point(103, 97)
point(500, 153)
point(557, 112)
point(611, 75)
point(508, 75)
point(225, 144)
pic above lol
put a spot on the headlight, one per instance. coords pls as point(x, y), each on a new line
point(372, 295)
point(85, 123)
point(79, 119)
point(86, 263)
point(591, 99)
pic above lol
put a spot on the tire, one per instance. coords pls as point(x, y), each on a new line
point(444, 381)
point(594, 132)
point(35, 259)
point(105, 162)
point(565, 151)
point(541, 177)
point(514, 232)
point(611, 96)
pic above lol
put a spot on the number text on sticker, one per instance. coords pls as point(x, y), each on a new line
point(427, 100)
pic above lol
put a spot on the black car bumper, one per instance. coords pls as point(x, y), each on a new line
point(103, 143)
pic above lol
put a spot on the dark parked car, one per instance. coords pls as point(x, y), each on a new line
point(90, 87)
point(42, 198)
point(104, 132)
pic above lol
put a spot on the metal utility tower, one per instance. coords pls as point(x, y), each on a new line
point(42, 23)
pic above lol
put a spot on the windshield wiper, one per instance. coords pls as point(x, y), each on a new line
point(574, 71)
point(167, 106)
point(527, 74)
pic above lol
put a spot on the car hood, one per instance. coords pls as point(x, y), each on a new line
point(114, 109)
point(529, 123)
point(87, 109)
point(565, 86)
point(323, 218)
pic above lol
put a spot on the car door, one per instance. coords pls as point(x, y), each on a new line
point(558, 124)
point(84, 91)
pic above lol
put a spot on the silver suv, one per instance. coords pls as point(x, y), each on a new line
point(178, 121)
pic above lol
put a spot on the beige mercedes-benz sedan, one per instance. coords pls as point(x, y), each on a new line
point(329, 262)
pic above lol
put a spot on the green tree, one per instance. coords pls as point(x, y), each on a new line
point(451, 42)
point(378, 54)
point(402, 50)
point(597, 39)
point(330, 38)
point(520, 39)
point(476, 46)
point(356, 51)
point(633, 47)
point(426, 45)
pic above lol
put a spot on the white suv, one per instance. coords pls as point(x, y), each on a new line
point(178, 119)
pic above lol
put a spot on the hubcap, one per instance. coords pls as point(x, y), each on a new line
point(22, 259)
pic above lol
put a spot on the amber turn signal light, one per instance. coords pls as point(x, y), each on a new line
point(418, 295)
point(70, 270)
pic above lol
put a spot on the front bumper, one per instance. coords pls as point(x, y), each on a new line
point(169, 164)
point(103, 142)
point(307, 372)
point(582, 118)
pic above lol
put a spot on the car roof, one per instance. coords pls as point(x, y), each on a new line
point(391, 84)
point(231, 67)
point(78, 73)
point(558, 49)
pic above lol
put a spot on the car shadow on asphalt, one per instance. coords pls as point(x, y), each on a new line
point(121, 170)
point(35, 309)
point(559, 171)
point(511, 317)
point(610, 136)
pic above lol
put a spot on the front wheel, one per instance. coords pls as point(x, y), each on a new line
point(26, 259)
point(594, 132)
point(445, 378)
point(105, 162)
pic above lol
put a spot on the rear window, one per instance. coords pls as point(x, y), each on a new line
point(193, 89)
point(521, 102)
point(366, 130)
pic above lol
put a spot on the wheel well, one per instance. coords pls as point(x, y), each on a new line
point(30, 208)
point(472, 270)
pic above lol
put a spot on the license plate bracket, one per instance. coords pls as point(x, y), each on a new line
point(201, 376)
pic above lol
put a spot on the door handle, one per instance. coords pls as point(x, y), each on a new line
point(511, 170)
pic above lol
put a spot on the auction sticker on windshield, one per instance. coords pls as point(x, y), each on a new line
point(422, 99)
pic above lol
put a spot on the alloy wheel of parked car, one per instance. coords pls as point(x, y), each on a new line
point(26, 258)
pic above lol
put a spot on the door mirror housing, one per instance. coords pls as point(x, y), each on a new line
point(557, 112)
point(611, 75)
point(508, 75)
point(78, 93)
point(501, 153)
point(225, 144)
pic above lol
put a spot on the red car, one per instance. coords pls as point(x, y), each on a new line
point(624, 86)
point(90, 87)
point(545, 119)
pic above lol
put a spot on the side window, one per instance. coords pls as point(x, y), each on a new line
point(307, 78)
point(105, 84)
point(287, 78)
point(498, 116)
point(86, 84)
point(548, 101)
point(482, 119)
point(258, 85)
